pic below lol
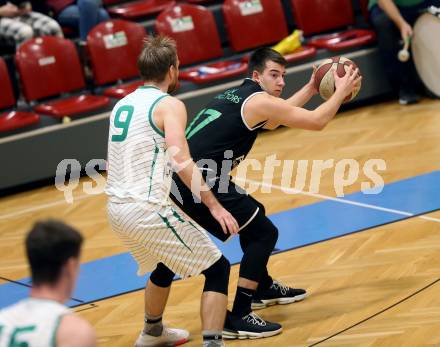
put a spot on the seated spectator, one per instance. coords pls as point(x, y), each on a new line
point(82, 15)
point(393, 21)
point(18, 22)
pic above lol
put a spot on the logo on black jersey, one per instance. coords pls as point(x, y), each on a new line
point(237, 161)
point(230, 96)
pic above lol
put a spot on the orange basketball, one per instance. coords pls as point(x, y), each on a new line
point(324, 80)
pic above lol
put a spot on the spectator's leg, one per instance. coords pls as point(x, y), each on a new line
point(42, 24)
point(69, 17)
point(388, 38)
point(13, 31)
point(103, 15)
point(89, 16)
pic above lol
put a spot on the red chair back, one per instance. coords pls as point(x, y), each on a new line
point(316, 16)
point(114, 47)
point(48, 66)
point(254, 23)
point(193, 28)
point(7, 98)
point(364, 8)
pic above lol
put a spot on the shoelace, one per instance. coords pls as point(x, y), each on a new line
point(255, 319)
point(282, 287)
point(169, 332)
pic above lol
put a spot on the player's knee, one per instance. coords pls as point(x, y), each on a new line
point(262, 229)
point(262, 209)
point(162, 276)
point(272, 234)
point(217, 276)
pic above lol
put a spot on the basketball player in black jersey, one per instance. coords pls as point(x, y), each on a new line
point(221, 136)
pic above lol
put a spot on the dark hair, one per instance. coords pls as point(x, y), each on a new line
point(259, 58)
point(49, 245)
point(158, 55)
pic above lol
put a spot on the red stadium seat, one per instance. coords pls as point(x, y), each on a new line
point(199, 1)
point(364, 8)
point(114, 47)
point(344, 40)
point(214, 72)
point(300, 53)
point(50, 66)
point(69, 32)
point(297, 55)
point(12, 120)
point(317, 16)
point(251, 24)
point(140, 8)
point(7, 98)
point(193, 28)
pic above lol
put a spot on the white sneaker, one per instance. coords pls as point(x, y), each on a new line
point(169, 337)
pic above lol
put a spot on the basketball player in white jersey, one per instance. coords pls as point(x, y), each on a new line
point(42, 320)
point(160, 237)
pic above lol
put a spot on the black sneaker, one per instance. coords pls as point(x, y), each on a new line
point(277, 293)
point(250, 326)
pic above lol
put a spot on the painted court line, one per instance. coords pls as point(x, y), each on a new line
point(42, 207)
point(238, 180)
point(298, 227)
point(343, 201)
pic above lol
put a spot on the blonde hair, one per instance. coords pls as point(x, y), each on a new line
point(158, 55)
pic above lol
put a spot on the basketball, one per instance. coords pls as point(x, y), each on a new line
point(324, 80)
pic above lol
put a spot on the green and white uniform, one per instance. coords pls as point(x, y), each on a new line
point(138, 186)
point(31, 322)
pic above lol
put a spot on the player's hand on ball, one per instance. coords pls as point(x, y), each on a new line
point(332, 69)
point(349, 82)
point(226, 220)
point(311, 84)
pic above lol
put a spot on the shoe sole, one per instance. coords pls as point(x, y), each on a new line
point(278, 301)
point(243, 335)
point(161, 343)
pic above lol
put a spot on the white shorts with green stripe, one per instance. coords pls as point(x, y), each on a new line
point(155, 234)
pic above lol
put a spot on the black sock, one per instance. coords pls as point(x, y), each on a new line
point(153, 325)
point(209, 335)
point(242, 302)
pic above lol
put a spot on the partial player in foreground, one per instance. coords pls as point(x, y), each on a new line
point(53, 250)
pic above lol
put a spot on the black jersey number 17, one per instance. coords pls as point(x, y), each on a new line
point(200, 121)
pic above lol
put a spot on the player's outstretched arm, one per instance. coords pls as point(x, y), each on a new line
point(277, 111)
point(301, 97)
point(173, 113)
point(74, 331)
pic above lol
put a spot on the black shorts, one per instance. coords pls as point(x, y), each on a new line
point(235, 200)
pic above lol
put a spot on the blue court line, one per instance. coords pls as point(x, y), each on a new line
point(298, 227)
point(416, 195)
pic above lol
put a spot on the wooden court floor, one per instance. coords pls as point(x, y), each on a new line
point(379, 287)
